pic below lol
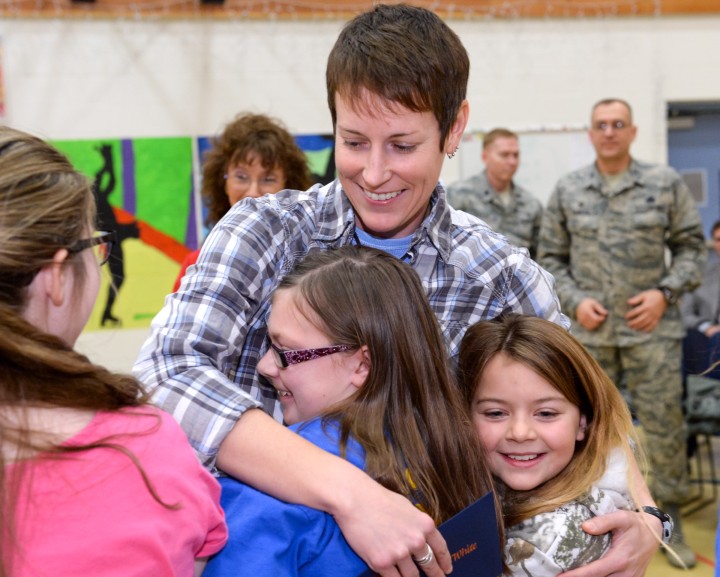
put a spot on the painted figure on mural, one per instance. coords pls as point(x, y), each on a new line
point(103, 187)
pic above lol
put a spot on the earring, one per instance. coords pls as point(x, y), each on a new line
point(453, 153)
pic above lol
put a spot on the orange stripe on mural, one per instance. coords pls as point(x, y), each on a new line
point(153, 237)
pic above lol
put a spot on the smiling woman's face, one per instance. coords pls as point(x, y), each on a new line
point(250, 179)
point(388, 160)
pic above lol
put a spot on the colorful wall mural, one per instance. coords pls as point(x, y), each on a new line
point(147, 189)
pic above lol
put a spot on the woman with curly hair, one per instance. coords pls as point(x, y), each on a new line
point(254, 155)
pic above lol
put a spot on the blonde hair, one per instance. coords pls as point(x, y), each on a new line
point(556, 356)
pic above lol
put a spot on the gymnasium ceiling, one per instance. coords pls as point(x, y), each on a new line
point(344, 9)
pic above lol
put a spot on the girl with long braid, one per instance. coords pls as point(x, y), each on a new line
point(93, 480)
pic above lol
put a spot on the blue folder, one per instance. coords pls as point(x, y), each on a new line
point(473, 541)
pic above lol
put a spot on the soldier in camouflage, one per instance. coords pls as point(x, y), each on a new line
point(494, 197)
point(606, 235)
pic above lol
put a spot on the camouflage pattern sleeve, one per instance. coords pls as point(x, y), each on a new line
point(554, 253)
point(686, 242)
point(535, 235)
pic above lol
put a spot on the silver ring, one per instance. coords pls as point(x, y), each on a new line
point(425, 559)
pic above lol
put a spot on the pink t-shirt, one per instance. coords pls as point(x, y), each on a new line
point(91, 514)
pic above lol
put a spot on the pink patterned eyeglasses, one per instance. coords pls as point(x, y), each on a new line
point(284, 359)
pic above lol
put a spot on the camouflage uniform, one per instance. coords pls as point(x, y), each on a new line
point(519, 221)
point(553, 542)
point(610, 243)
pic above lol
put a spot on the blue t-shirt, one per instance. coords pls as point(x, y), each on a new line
point(398, 247)
point(270, 537)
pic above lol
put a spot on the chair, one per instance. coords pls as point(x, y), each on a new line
point(702, 413)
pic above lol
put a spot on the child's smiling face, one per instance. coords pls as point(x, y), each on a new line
point(309, 387)
point(528, 427)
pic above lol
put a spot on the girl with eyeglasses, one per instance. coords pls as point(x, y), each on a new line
point(93, 480)
point(360, 365)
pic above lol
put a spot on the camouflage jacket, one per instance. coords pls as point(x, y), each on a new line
point(553, 542)
point(519, 221)
point(612, 243)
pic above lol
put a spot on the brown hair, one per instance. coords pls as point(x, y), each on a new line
point(715, 226)
point(251, 134)
point(45, 206)
point(556, 356)
point(403, 54)
point(496, 133)
point(409, 415)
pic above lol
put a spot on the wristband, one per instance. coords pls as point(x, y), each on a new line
point(670, 296)
point(665, 519)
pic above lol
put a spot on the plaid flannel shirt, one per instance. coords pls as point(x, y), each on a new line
point(202, 353)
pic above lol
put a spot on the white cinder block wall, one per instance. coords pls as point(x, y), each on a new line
point(73, 79)
point(69, 79)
